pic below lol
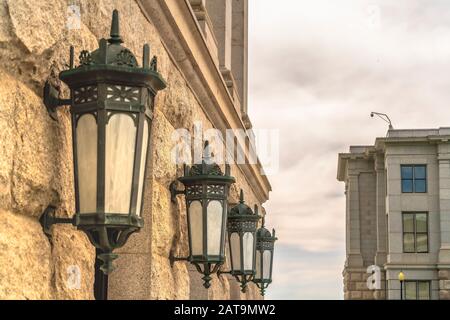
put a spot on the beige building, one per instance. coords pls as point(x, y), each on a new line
point(201, 46)
point(398, 215)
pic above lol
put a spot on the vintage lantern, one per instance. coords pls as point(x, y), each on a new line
point(264, 257)
point(242, 224)
point(112, 101)
point(206, 191)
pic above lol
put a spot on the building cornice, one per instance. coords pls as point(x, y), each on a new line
point(343, 158)
point(182, 37)
point(380, 143)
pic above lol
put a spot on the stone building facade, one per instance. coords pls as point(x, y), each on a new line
point(201, 47)
point(398, 215)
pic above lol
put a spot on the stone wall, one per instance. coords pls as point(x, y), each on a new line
point(367, 185)
point(36, 163)
point(361, 220)
point(355, 285)
point(444, 284)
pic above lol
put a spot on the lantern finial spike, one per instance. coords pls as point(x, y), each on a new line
point(227, 169)
point(146, 57)
point(115, 29)
point(103, 49)
point(241, 197)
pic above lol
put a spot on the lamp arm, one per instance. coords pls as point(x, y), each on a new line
point(52, 100)
point(384, 117)
point(174, 192)
point(174, 259)
point(48, 219)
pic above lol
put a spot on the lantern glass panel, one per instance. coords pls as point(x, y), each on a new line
point(258, 265)
point(120, 147)
point(214, 221)
point(86, 143)
point(267, 255)
point(142, 167)
point(248, 250)
point(196, 225)
point(235, 248)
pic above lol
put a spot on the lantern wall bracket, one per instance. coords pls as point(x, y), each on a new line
point(48, 219)
point(174, 259)
point(52, 100)
point(174, 192)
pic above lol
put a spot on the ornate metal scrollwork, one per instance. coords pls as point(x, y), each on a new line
point(126, 58)
point(85, 58)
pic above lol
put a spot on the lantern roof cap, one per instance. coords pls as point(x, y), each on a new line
point(263, 234)
point(207, 166)
point(243, 210)
point(207, 170)
point(114, 52)
point(114, 62)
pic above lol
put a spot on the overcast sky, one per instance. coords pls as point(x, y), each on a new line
point(316, 71)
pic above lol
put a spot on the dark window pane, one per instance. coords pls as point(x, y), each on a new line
point(408, 222)
point(421, 222)
point(407, 186)
point(420, 172)
point(408, 242)
point(422, 242)
point(420, 186)
point(407, 172)
point(410, 290)
point(424, 290)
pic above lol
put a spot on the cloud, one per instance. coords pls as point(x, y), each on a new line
point(316, 71)
point(296, 279)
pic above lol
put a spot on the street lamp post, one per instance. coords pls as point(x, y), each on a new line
point(401, 278)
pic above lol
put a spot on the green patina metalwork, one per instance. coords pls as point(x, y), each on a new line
point(107, 81)
point(205, 182)
point(265, 241)
point(242, 221)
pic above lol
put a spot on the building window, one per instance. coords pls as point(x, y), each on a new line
point(414, 178)
point(415, 232)
point(417, 290)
